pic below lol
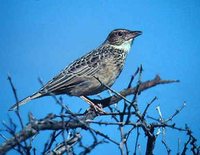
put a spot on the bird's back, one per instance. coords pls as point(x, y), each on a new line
point(83, 76)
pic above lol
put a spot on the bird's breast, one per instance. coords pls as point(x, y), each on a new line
point(110, 69)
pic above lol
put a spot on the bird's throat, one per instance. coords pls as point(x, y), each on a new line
point(126, 46)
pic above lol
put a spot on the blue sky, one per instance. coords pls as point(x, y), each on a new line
point(39, 38)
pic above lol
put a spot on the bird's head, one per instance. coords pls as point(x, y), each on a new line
point(122, 38)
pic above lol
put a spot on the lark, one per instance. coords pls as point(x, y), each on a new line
point(91, 73)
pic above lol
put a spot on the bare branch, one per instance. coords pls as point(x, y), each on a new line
point(34, 127)
point(166, 146)
point(66, 146)
point(126, 92)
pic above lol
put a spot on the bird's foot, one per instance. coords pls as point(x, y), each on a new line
point(97, 107)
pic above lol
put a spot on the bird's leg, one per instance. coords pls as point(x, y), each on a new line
point(96, 107)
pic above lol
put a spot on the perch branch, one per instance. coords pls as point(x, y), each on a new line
point(32, 128)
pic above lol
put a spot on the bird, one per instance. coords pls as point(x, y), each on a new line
point(92, 73)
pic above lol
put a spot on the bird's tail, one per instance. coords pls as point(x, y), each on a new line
point(25, 100)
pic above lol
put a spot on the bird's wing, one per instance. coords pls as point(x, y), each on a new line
point(85, 66)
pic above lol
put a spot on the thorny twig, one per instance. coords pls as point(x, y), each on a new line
point(70, 120)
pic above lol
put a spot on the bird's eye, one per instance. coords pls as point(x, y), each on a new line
point(119, 33)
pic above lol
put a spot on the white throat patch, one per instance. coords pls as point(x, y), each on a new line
point(125, 46)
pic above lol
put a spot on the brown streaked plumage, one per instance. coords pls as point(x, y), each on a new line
point(81, 77)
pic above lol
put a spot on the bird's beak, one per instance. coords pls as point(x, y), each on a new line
point(133, 34)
